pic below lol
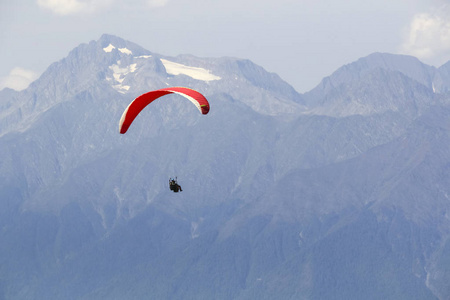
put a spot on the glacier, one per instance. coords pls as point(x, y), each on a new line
point(196, 73)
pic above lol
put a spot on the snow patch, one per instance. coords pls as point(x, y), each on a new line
point(143, 56)
point(109, 48)
point(119, 74)
point(173, 68)
point(121, 88)
point(125, 51)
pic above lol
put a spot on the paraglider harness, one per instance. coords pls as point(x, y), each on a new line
point(174, 186)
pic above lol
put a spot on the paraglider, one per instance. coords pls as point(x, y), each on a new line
point(174, 186)
point(138, 104)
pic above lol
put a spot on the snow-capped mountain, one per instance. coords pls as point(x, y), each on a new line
point(339, 193)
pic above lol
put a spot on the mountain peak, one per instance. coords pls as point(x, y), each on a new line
point(382, 74)
point(405, 64)
point(110, 43)
point(109, 38)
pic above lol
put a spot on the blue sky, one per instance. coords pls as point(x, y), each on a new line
point(300, 40)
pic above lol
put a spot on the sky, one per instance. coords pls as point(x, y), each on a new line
point(302, 41)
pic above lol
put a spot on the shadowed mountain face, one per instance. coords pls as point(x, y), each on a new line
point(338, 193)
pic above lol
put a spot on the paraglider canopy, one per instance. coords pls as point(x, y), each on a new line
point(138, 104)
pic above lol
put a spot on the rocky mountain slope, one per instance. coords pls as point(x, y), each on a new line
point(338, 193)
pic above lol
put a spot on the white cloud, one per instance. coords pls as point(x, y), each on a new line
point(70, 7)
point(18, 79)
point(62, 7)
point(428, 37)
point(157, 3)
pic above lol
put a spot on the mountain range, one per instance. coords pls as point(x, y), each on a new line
point(342, 192)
